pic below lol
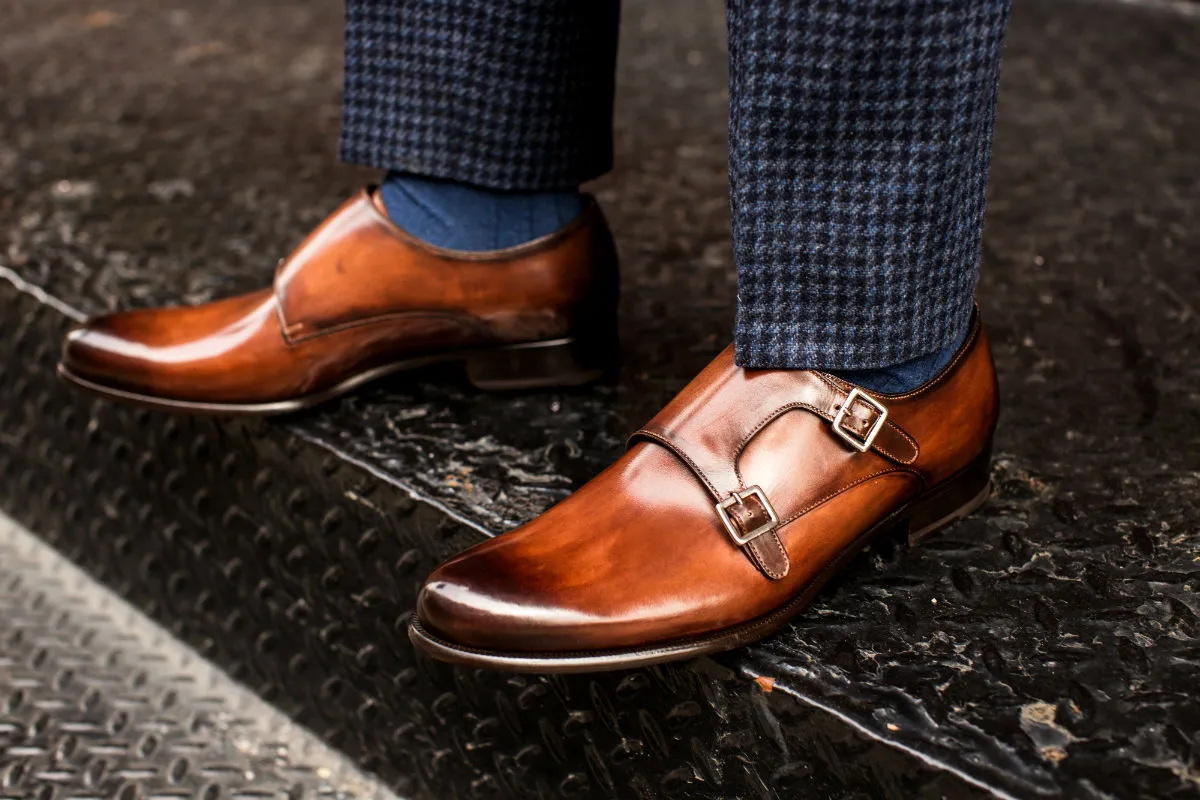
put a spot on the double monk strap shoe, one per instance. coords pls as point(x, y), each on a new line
point(360, 299)
point(726, 515)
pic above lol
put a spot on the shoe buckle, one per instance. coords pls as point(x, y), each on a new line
point(739, 498)
point(839, 427)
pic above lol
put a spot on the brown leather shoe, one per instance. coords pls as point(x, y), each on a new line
point(729, 511)
point(360, 299)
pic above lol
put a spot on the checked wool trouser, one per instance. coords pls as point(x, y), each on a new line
point(860, 133)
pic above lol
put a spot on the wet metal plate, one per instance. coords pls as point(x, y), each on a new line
point(96, 701)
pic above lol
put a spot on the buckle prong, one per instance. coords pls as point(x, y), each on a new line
point(864, 444)
point(737, 498)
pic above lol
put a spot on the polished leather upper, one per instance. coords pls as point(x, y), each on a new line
point(640, 554)
point(356, 294)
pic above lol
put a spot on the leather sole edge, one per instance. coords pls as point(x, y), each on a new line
point(539, 359)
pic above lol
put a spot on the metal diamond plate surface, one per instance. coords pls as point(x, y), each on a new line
point(98, 702)
point(296, 572)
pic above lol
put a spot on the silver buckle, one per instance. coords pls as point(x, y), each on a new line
point(865, 444)
point(740, 497)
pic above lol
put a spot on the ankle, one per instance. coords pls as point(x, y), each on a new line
point(458, 216)
point(903, 377)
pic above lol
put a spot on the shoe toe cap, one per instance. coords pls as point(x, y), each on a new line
point(477, 604)
point(185, 352)
point(100, 350)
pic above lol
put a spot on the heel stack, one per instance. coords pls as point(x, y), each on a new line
point(958, 497)
point(538, 365)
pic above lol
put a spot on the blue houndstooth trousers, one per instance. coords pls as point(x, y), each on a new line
point(860, 133)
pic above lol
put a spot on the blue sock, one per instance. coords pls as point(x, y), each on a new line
point(462, 217)
point(902, 377)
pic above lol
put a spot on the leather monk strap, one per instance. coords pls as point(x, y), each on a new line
point(711, 444)
point(727, 513)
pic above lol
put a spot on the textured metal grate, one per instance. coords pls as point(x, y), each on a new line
point(98, 702)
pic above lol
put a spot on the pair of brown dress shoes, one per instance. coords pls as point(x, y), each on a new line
point(728, 512)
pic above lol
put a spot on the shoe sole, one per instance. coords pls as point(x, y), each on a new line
point(943, 505)
point(555, 363)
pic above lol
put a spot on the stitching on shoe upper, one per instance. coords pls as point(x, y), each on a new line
point(773, 538)
point(967, 345)
point(737, 467)
point(747, 548)
point(291, 330)
point(590, 211)
point(667, 443)
point(293, 334)
point(903, 433)
point(847, 487)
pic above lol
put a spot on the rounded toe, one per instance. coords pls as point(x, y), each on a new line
point(450, 609)
point(225, 351)
point(474, 602)
point(98, 352)
point(464, 611)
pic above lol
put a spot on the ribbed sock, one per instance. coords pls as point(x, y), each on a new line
point(902, 377)
point(461, 217)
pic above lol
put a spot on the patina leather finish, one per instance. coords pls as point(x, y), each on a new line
point(639, 566)
point(360, 298)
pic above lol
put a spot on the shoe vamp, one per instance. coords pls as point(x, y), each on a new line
point(637, 556)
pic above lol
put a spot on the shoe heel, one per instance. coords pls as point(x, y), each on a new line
point(539, 365)
point(958, 497)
